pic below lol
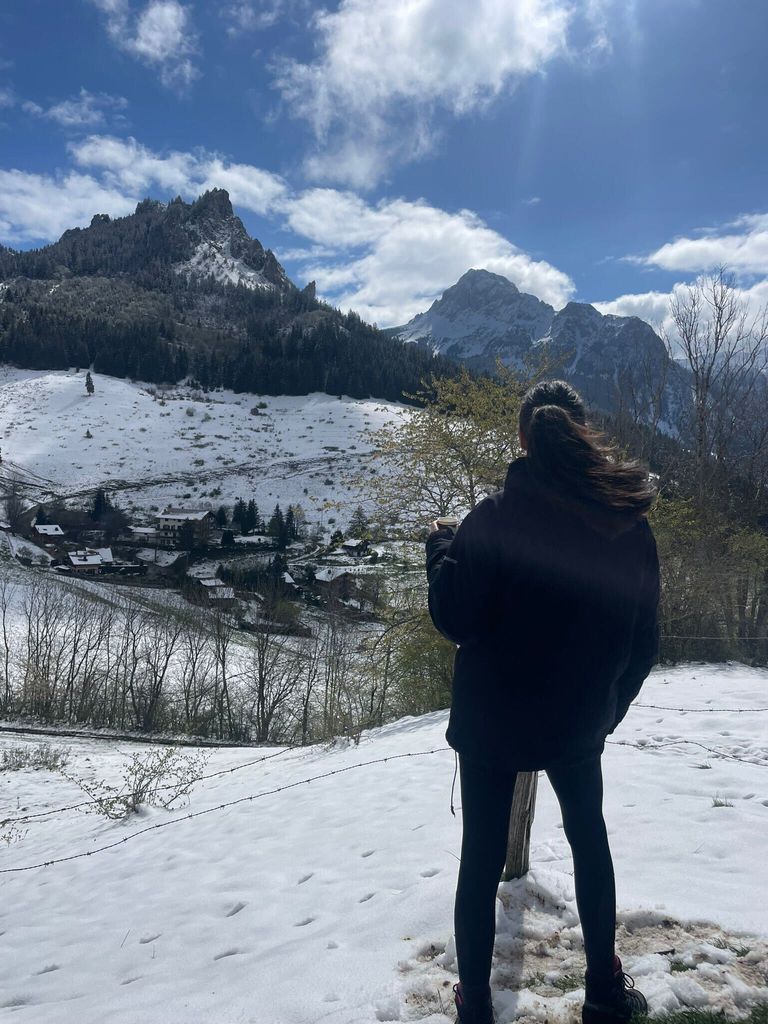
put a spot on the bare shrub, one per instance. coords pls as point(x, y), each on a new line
point(42, 755)
point(157, 779)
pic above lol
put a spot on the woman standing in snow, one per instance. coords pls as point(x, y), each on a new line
point(550, 589)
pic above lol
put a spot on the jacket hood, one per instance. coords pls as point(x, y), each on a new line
point(596, 515)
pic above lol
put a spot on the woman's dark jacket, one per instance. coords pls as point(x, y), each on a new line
point(553, 603)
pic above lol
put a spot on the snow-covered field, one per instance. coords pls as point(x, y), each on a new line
point(331, 900)
point(194, 450)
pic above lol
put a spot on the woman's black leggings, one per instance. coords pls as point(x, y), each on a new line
point(486, 800)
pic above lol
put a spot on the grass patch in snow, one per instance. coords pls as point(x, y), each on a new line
point(42, 755)
point(757, 1015)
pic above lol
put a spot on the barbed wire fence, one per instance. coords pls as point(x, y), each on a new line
point(644, 746)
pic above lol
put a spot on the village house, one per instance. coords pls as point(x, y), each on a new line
point(91, 561)
point(48, 532)
point(214, 593)
point(355, 546)
point(172, 521)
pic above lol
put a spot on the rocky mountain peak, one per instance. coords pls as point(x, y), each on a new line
point(202, 239)
point(479, 316)
point(214, 204)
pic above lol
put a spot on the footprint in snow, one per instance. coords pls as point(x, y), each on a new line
point(305, 878)
point(430, 872)
point(227, 952)
point(149, 938)
point(364, 899)
point(304, 922)
point(368, 853)
point(236, 909)
point(130, 981)
point(48, 968)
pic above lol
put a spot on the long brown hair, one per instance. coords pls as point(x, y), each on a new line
point(565, 451)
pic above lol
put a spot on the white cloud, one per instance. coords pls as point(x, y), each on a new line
point(653, 307)
point(742, 246)
point(395, 258)
point(7, 98)
point(129, 165)
point(246, 16)
point(85, 110)
point(384, 65)
point(160, 35)
point(387, 260)
point(37, 207)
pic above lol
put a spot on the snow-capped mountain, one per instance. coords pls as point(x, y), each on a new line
point(480, 316)
point(485, 317)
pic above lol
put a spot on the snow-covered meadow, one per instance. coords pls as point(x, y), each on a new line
point(331, 900)
point(152, 447)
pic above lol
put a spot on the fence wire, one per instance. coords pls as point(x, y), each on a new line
point(326, 775)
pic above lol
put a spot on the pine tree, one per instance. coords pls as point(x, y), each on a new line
point(238, 513)
point(89, 383)
point(221, 517)
point(276, 526)
point(251, 517)
point(290, 525)
point(100, 505)
point(358, 524)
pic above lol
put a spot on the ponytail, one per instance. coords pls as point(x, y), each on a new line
point(565, 451)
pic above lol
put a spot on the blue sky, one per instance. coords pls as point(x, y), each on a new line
point(599, 150)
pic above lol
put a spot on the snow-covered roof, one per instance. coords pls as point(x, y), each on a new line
point(327, 575)
point(288, 578)
point(353, 542)
point(181, 515)
point(211, 582)
point(222, 594)
point(49, 530)
point(83, 558)
point(143, 530)
point(155, 557)
point(105, 553)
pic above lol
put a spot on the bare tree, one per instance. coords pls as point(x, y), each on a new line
point(272, 679)
point(724, 348)
point(7, 592)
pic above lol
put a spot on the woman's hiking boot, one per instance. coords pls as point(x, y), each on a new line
point(614, 1002)
point(473, 1007)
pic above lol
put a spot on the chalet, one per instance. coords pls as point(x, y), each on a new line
point(355, 546)
point(48, 532)
point(86, 562)
point(172, 521)
point(213, 592)
point(91, 561)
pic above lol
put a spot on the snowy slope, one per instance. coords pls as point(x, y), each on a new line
point(150, 450)
point(331, 900)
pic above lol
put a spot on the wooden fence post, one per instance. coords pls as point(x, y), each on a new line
point(520, 821)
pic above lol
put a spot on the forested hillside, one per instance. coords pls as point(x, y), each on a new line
point(181, 289)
